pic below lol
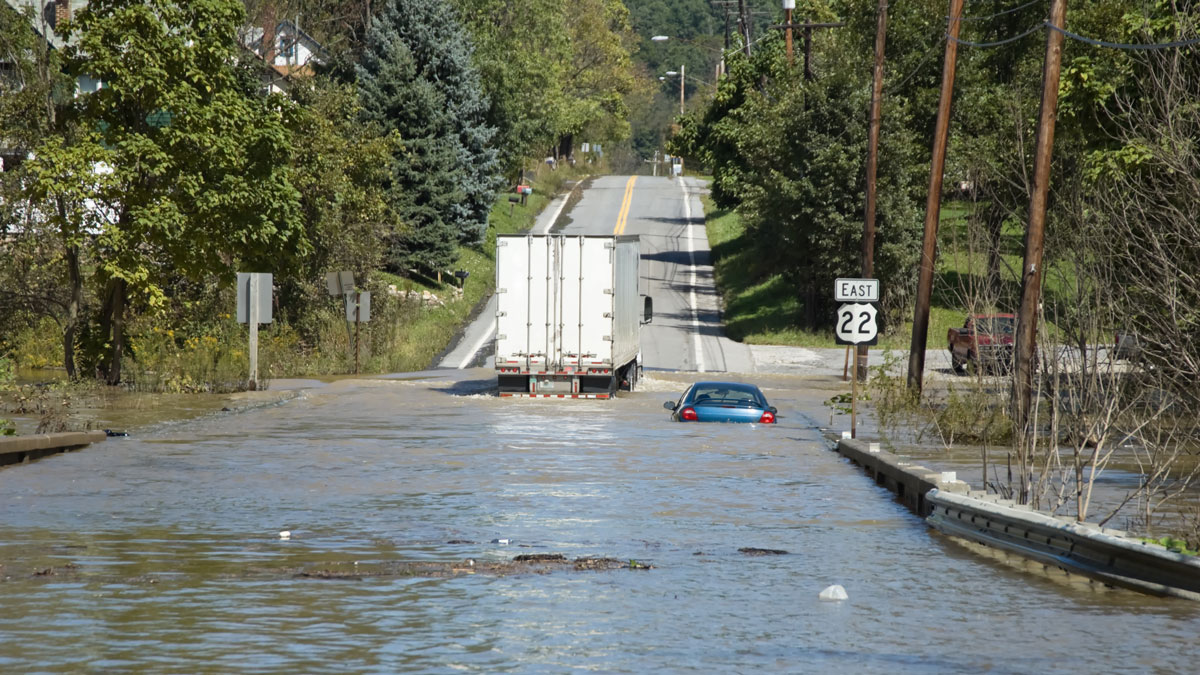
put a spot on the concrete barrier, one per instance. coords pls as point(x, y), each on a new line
point(1106, 555)
point(910, 482)
point(18, 449)
point(1082, 548)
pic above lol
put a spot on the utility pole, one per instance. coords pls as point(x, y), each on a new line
point(1031, 270)
point(744, 19)
point(933, 205)
point(868, 242)
point(788, 6)
point(808, 27)
point(681, 80)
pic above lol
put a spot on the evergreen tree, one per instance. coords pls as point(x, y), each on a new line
point(416, 79)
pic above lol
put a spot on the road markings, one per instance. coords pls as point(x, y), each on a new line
point(554, 218)
point(487, 335)
point(697, 348)
point(623, 214)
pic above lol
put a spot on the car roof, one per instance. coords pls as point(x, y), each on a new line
point(737, 386)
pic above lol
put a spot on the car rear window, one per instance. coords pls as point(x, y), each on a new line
point(718, 394)
point(1001, 325)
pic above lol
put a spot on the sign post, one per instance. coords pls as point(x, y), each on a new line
point(856, 325)
point(253, 308)
point(358, 310)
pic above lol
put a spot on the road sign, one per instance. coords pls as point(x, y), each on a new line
point(856, 324)
point(358, 306)
point(339, 283)
point(856, 290)
point(254, 288)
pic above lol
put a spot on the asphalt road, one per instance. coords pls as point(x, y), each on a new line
point(686, 334)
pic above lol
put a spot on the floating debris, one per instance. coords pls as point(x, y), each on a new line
point(762, 551)
point(329, 574)
point(460, 541)
point(502, 542)
point(285, 534)
point(540, 557)
point(834, 593)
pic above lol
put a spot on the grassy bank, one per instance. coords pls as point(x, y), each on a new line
point(765, 309)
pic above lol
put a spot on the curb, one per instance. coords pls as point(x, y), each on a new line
point(21, 449)
point(949, 506)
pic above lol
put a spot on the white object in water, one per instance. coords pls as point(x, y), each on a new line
point(834, 593)
point(285, 534)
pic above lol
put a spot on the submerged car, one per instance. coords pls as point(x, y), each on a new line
point(722, 402)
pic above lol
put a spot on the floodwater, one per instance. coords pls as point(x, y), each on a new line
point(161, 552)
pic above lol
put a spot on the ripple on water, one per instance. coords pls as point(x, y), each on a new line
point(179, 567)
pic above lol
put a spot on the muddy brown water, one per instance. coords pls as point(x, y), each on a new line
point(408, 501)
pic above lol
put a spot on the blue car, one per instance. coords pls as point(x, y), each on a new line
point(722, 402)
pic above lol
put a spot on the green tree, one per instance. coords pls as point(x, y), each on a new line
point(50, 195)
point(201, 179)
point(521, 50)
point(416, 79)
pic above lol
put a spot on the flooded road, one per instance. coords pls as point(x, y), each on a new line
point(161, 552)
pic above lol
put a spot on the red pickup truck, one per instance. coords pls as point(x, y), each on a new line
point(985, 340)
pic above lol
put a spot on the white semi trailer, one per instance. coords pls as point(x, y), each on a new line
point(568, 319)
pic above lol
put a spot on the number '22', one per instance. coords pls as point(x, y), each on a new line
point(862, 327)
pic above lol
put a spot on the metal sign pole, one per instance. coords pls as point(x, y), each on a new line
point(253, 310)
point(357, 306)
point(854, 400)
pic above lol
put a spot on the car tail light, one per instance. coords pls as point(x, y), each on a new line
point(688, 414)
point(768, 417)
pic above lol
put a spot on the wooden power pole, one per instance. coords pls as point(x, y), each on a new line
point(933, 204)
point(1031, 270)
point(868, 242)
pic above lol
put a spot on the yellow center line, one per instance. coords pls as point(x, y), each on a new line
point(623, 215)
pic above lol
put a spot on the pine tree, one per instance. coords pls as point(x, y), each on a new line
point(416, 78)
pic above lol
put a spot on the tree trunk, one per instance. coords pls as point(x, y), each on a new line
point(566, 145)
point(72, 325)
point(112, 319)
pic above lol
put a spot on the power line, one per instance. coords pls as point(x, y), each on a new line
point(920, 64)
point(1121, 45)
point(1079, 38)
point(998, 43)
point(1002, 12)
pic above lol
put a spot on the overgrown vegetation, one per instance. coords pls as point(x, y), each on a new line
point(787, 157)
point(126, 211)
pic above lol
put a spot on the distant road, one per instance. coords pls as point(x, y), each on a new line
point(686, 334)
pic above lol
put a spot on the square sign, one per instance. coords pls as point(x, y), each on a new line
point(856, 290)
point(262, 296)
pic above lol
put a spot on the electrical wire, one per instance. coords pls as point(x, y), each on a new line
point(1121, 45)
point(1080, 38)
point(998, 43)
point(920, 64)
point(1003, 12)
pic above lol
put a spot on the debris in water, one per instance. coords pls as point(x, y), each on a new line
point(762, 551)
point(327, 574)
point(285, 534)
point(834, 593)
point(460, 541)
point(502, 542)
point(540, 557)
point(110, 433)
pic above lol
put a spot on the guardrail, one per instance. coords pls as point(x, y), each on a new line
point(18, 449)
point(1106, 555)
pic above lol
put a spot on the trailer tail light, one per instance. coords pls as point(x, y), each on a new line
point(688, 415)
point(768, 417)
